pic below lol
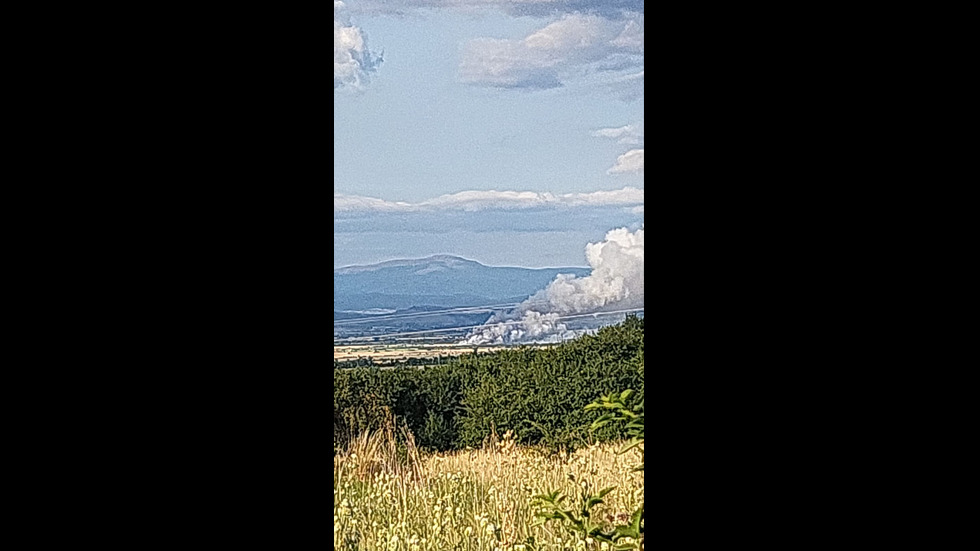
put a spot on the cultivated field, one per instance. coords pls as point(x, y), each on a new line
point(472, 500)
point(405, 351)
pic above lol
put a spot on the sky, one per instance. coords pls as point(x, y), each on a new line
point(510, 132)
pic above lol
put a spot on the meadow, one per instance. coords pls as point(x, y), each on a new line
point(390, 498)
point(402, 351)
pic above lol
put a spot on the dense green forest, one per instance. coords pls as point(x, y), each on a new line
point(539, 393)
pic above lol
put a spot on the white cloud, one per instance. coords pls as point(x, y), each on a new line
point(631, 134)
point(353, 203)
point(628, 87)
point(491, 199)
point(571, 47)
point(625, 196)
point(604, 37)
point(631, 161)
point(480, 200)
point(352, 60)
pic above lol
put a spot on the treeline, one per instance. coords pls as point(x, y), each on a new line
point(539, 393)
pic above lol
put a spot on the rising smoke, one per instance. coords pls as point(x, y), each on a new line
point(616, 283)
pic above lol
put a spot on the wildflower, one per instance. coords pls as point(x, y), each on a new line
point(491, 528)
point(468, 531)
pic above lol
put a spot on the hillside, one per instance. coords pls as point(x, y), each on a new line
point(443, 280)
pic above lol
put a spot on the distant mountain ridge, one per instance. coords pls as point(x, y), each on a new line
point(441, 280)
point(439, 261)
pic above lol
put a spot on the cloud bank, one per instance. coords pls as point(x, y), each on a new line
point(576, 45)
point(597, 37)
point(479, 200)
point(352, 60)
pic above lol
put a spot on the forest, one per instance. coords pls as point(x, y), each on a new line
point(538, 394)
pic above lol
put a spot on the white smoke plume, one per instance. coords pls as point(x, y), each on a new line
point(616, 283)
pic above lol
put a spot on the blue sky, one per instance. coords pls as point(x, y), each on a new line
point(507, 132)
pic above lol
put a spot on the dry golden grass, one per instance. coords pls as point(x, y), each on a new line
point(471, 500)
point(404, 351)
point(382, 352)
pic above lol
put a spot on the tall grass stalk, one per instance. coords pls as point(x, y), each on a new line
point(393, 497)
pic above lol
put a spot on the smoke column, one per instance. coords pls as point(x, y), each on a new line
point(616, 283)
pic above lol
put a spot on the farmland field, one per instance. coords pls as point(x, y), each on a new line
point(405, 351)
point(472, 499)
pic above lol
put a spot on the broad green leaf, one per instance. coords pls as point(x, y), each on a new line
point(626, 532)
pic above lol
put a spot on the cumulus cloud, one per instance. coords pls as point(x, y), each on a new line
point(629, 162)
point(478, 200)
point(575, 45)
point(352, 60)
point(631, 134)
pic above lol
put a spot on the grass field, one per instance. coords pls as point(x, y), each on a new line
point(405, 351)
point(471, 500)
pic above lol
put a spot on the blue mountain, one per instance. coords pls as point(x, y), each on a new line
point(443, 280)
